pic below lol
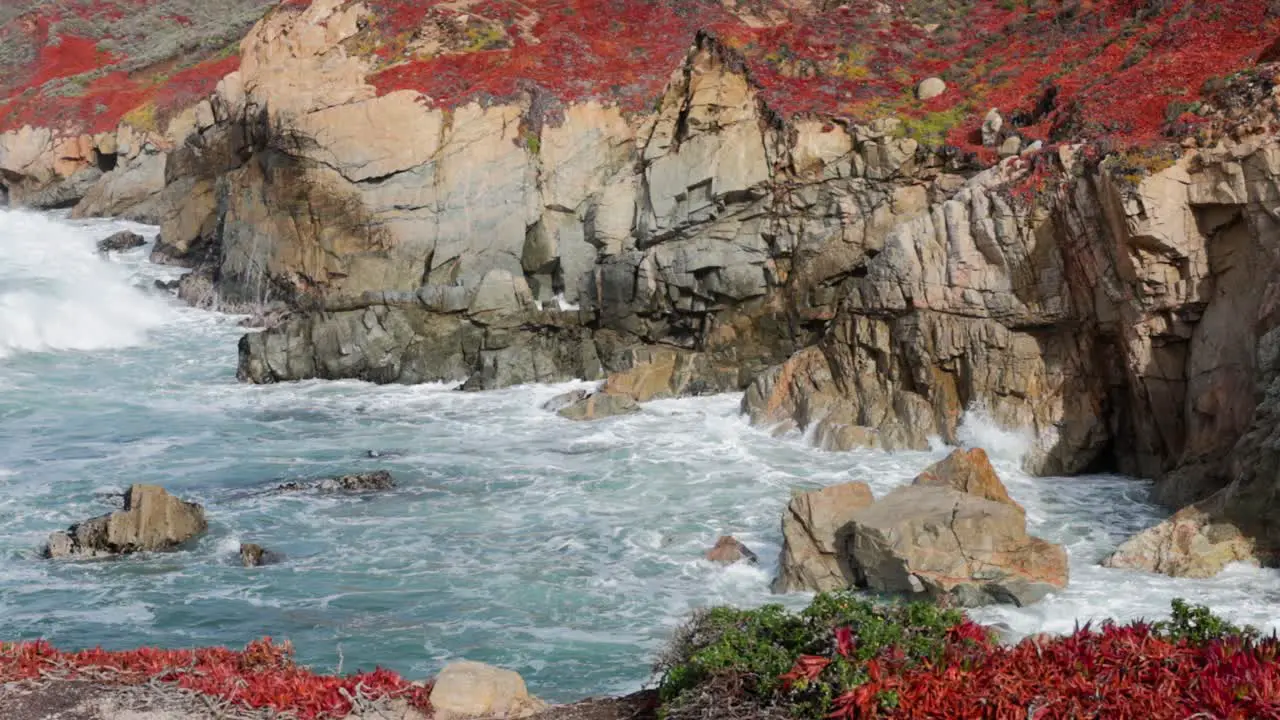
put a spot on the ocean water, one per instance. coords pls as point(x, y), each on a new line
point(565, 551)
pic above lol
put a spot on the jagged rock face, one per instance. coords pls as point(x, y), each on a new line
point(151, 520)
point(812, 533)
point(968, 471)
point(944, 543)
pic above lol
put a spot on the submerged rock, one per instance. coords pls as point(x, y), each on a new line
point(599, 405)
point(152, 519)
point(253, 555)
point(468, 689)
point(810, 538)
point(359, 482)
point(123, 240)
point(946, 544)
point(729, 550)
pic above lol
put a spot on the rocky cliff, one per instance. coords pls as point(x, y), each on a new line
point(870, 216)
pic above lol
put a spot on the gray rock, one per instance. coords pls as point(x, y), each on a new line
point(564, 400)
point(253, 555)
point(991, 126)
point(359, 482)
point(600, 405)
point(123, 240)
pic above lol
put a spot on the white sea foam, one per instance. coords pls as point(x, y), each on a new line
point(57, 294)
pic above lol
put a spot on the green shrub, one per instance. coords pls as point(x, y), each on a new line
point(758, 648)
point(1198, 625)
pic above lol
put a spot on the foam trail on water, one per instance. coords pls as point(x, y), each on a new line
point(57, 294)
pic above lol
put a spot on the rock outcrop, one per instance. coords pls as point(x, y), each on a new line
point(466, 689)
point(151, 520)
point(812, 535)
point(729, 550)
point(954, 534)
point(946, 544)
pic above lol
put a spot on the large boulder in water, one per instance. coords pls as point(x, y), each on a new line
point(811, 527)
point(946, 544)
point(468, 689)
point(152, 519)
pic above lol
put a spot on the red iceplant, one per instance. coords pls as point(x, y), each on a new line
point(263, 675)
point(1117, 672)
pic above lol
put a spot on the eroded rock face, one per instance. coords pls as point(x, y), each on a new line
point(466, 689)
point(945, 544)
point(1190, 544)
point(813, 528)
point(968, 471)
point(151, 520)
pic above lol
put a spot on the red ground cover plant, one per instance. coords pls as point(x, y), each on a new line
point(1116, 672)
point(263, 675)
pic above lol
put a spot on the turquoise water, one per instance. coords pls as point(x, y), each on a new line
point(565, 551)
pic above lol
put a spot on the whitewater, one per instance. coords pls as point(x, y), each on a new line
point(565, 551)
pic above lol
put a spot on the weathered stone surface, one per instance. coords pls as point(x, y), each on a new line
point(466, 689)
point(132, 190)
point(123, 240)
point(968, 471)
point(359, 482)
point(599, 405)
point(943, 543)
point(729, 550)
point(151, 520)
point(1190, 544)
point(812, 533)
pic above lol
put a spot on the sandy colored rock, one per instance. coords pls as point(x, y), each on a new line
point(1190, 544)
point(812, 530)
point(729, 550)
point(937, 542)
point(151, 520)
point(968, 471)
point(930, 88)
point(468, 689)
